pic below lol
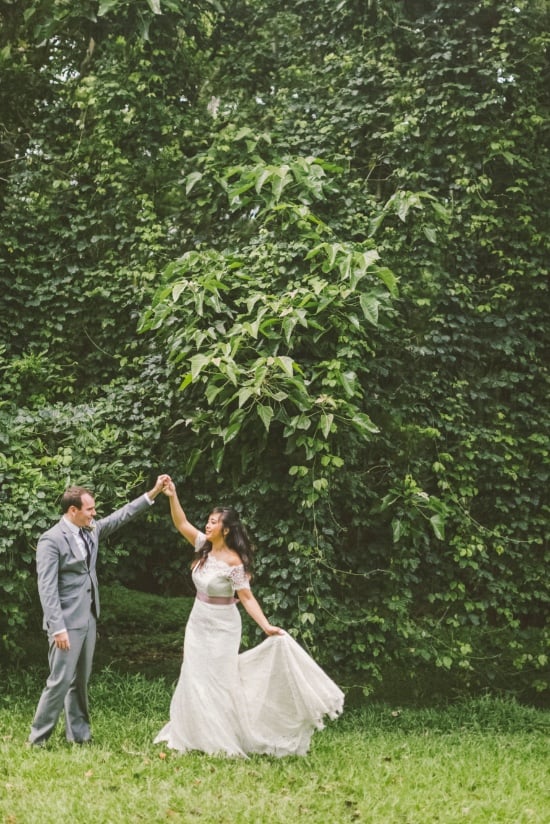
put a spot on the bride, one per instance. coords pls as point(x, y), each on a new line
point(269, 699)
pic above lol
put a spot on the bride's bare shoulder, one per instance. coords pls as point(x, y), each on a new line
point(233, 558)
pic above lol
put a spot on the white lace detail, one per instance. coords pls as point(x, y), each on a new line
point(239, 577)
point(214, 568)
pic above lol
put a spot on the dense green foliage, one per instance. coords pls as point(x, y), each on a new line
point(296, 255)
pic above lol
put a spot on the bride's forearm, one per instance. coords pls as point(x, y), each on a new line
point(255, 611)
point(176, 510)
point(180, 519)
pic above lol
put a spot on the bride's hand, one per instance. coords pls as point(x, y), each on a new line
point(271, 630)
point(169, 488)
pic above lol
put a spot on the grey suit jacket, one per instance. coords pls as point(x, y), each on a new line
point(66, 586)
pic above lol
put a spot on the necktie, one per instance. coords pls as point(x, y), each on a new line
point(87, 544)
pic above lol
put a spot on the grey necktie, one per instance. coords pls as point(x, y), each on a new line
point(88, 544)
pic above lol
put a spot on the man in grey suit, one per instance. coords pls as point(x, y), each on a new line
point(67, 584)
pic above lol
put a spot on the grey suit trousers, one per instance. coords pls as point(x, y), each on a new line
point(66, 687)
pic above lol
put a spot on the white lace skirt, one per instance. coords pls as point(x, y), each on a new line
point(269, 699)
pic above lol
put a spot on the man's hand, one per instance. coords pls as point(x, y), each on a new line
point(62, 640)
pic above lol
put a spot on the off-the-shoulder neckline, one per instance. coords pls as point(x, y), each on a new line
point(219, 561)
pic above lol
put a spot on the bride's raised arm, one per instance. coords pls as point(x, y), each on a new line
point(178, 515)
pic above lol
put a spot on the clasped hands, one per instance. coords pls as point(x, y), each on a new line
point(161, 485)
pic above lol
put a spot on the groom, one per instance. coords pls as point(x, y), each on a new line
point(67, 584)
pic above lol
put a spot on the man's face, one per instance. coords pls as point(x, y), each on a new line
point(84, 516)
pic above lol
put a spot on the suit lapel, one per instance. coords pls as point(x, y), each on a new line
point(70, 538)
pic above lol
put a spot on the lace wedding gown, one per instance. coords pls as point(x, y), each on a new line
point(269, 699)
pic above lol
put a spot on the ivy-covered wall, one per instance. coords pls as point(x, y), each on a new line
point(297, 256)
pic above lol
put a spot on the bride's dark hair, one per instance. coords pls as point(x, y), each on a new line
point(236, 539)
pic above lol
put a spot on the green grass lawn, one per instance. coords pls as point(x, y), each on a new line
point(483, 760)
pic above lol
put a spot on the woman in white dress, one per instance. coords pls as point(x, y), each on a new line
point(269, 699)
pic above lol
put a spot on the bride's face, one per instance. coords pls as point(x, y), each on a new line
point(214, 527)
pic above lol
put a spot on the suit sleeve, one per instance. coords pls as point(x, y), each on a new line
point(121, 516)
point(47, 568)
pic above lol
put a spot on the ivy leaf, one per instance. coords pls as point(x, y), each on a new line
point(370, 306)
point(288, 328)
point(178, 290)
point(105, 7)
point(192, 460)
point(217, 457)
point(438, 525)
point(397, 528)
point(231, 432)
point(364, 424)
point(191, 180)
point(211, 392)
point(286, 364)
point(266, 415)
point(186, 381)
point(244, 394)
point(326, 423)
point(197, 364)
point(430, 233)
point(388, 278)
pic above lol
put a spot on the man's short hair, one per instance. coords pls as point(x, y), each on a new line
point(73, 497)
